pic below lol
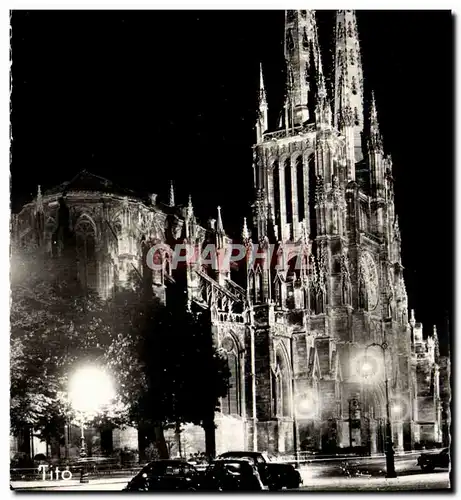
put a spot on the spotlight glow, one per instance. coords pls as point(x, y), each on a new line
point(90, 389)
point(307, 405)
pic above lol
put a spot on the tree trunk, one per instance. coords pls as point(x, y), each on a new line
point(24, 440)
point(178, 437)
point(210, 437)
point(142, 443)
point(160, 441)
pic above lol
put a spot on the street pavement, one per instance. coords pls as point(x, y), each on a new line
point(365, 474)
point(433, 481)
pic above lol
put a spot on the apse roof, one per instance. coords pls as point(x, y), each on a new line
point(86, 181)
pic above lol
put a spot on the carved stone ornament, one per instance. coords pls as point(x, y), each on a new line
point(313, 270)
point(319, 190)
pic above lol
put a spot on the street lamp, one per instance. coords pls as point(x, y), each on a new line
point(367, 370)
point(90, 389)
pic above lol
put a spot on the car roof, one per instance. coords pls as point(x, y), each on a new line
point(231, 460)
point(240, 453)
point(167, 461)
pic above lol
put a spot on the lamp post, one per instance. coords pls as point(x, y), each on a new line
point(90, 390)
point(390, 463)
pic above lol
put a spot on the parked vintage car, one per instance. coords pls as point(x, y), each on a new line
point(232, 475)
point(165, 475)
point(429, 461)
point(273, 475)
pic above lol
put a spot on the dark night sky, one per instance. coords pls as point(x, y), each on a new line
point(142, 97)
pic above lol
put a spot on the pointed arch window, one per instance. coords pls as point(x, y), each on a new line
point(230, 405)
point(251, 285)
point(282, 404)
point(288, 192)
point(276, 178)
point(259, 285)
point(300, 188)
point(312, 185)
point(86, 253)
point(278, 291)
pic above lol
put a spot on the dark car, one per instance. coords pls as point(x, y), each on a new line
point(273, 475)
point(232, 475)
point(429, 461)
point(165, 475)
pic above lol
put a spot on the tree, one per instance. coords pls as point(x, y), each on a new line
point(54, 325)
point(186, 372)
point(167, 365)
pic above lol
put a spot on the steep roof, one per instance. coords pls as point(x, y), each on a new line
point(86, 181)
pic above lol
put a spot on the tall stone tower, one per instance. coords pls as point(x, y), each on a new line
point(328, 279)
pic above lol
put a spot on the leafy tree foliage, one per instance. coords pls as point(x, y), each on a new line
point(54, 326)
point(166, 367)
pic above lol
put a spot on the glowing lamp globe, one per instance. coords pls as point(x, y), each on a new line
point(367, 369)
point(396, 409)
point(90, 389)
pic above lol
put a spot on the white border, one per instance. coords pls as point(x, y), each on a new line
point(171, 4)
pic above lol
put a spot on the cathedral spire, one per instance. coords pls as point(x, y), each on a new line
point(190, 208)
point(245, 231)
point(412, 318)
point(349, 76)
point(219, 224)
point(39, 201)
point(171, 200)
point(301, 42)
point(375, 142)
point(262, 123)
point(323, 109)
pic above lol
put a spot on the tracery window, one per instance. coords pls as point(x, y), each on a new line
point(276, 178)
point(230, 405)
point(300, 188)
point(288, 192)
point(86, 253)
point(282, 388)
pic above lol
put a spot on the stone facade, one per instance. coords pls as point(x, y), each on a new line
point(327, 282)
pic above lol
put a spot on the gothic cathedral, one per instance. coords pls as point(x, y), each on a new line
point(319, 339)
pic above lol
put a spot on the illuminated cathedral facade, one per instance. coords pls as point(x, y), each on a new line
point(321, 320)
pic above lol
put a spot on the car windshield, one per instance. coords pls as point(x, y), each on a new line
point(230, 467)
point(166, 468)
point(242, 456)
